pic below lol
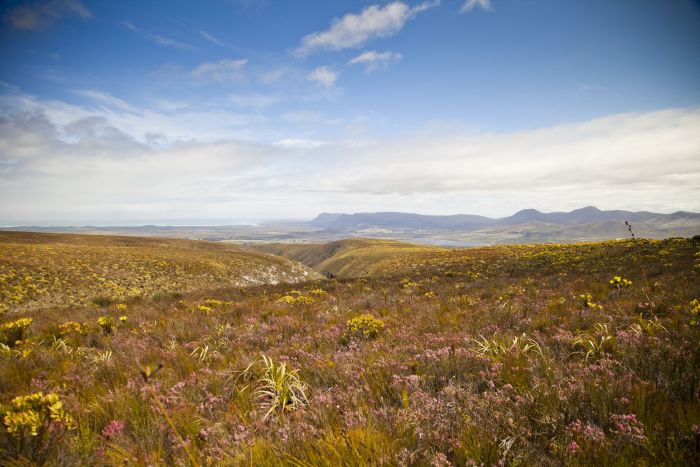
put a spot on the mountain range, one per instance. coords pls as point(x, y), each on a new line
point(587, 215)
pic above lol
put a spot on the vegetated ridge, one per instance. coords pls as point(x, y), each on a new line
point(346, 258)
point(39, 269)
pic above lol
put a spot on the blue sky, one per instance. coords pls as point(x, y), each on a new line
point(115, 112)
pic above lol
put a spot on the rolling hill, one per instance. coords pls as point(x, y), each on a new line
point(346, 258)
point(38, 269)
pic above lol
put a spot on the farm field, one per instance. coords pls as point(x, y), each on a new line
point(576, 354)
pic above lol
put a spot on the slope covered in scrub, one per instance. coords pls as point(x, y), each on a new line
point(347, 258)
point(50, 269)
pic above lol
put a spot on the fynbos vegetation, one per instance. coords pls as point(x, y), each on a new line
point(510, 355)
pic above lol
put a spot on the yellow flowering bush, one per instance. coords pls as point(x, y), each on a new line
point(588, 303)
point(27, 415)
point(123, 319)
point(319, 292)
point(290, 299)
point(365, 325)
point(121, 307)
point(210, 304)
point(70, 327)
point(620, 283)
point(694, 311)
point(35, 422)
point(14, 331)
point(106, 323)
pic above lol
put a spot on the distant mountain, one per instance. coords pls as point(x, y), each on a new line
point(399, 220)
point(583, 216)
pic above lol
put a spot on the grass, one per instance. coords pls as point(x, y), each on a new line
point(484, 355)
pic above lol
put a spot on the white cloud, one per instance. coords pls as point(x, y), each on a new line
point(38, 15)
point(254, 100)
point(354, 30)
point(105, 98)
point(374, 60)
point(87, 165)
point(212, 39)
point(324, 76)
point(221, 71)
point(299, 143)
point(469, 5)
point(157, 38)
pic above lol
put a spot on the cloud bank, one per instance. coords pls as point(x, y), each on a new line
point(60, 162)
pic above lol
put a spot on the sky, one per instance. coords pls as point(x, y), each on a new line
point(230, 111)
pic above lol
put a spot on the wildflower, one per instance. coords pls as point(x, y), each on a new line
point(291, 299)
point(572, 447)
point(106, 323)
point(628, 428)
point(620, 283)
point(694, 311)
point(204, 308)
point(13, 332)
point(319, 292)
point(122, 319)
point(588, 303)
point(121, 307)
point(73, 327)
point(113, 429)
point(365, 325)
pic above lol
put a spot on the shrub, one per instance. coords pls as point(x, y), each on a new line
point(290, 299)
point(70, 327)
point(33, 423)
point(12, 332)
point(106, 323)
point(365, 326)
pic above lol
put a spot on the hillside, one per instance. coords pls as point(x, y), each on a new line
point(38, 269)
point(561, 354)
point(346, 258)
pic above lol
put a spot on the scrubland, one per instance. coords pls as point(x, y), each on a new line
point(577, 354)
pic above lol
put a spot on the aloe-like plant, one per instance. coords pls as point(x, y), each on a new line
point(596, 345)
point(497, 348)
point(279, 388)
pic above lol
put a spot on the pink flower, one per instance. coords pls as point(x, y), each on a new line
point(113, 429)
point(572, 447)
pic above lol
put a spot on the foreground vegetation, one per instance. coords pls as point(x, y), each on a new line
point(533, 354)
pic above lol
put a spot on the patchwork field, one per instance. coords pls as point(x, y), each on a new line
point(577, 354)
